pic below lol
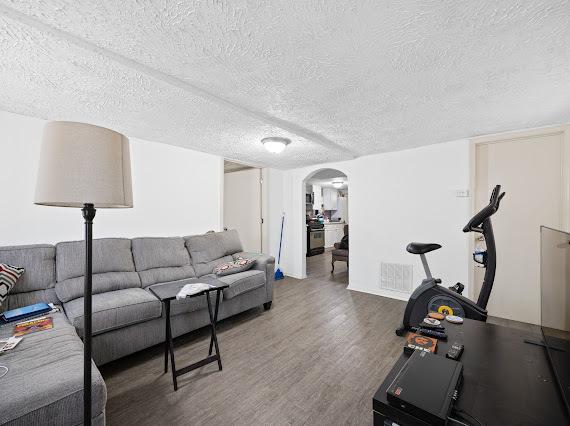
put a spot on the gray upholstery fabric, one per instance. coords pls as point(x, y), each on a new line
point(210, 249)
point(99, 420)
point(36, 285)
point(160, 260)
point(150, 253)
point(251, 299)
point(265, 263)
point(242, 282)
point(192, 304)
point(161, 275)
point(39, 262)
point(113, 267)
point(109, 255)
point(205, 248)
point(109, 281)
point(44, 383)
point(340, 252)
point(230, 241)
point(17, 300)
point(115, 309)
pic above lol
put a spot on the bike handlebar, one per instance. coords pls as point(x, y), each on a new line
point(487, 211)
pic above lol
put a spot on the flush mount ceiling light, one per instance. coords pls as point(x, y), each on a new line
point(275, 145)
point(338, 184)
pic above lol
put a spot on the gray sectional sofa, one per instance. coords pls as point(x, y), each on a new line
point(44, 383)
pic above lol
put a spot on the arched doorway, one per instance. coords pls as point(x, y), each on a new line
point(326, 218)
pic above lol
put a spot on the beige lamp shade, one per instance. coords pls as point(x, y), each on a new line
point(81, 163)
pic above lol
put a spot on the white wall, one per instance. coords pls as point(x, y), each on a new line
point(395, 198)
point(176, 192)
point(273, 209)
point(415, 200)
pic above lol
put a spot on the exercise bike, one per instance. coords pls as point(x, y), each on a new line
point(430, 296)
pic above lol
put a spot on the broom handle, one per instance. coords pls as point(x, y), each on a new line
point(281, 239)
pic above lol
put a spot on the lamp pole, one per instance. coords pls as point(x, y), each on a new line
point(64, 181)
point(88, 211)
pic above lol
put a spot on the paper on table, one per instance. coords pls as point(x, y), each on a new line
point(190, 289)
point(7, 344)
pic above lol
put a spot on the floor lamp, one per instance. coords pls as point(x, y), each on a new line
point(86, 167)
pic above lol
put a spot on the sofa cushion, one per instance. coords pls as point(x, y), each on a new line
point(44, 383)
point(109, 255)
point(115, 309)
point(205, 248)
point(209, 250)
point(242, 282)
point(149, 253)
point(113, 267)
point(161, 275)
point(36, 285)
point(109, 281)
point(230, 241)
point(161, 260)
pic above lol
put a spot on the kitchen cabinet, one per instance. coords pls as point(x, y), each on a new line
point(318, 201)
point(333, 233)
point(330, 199)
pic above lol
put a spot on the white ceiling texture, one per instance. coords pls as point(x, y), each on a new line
point(341, 79)
point(326, 177)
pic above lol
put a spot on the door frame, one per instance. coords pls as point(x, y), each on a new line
point(564, 131)
point(262, 202)
point(302, 215)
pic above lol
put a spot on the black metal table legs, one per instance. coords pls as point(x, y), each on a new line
point(169, 345)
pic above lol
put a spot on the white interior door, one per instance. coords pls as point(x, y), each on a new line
point(242, 206)
point(530, 171)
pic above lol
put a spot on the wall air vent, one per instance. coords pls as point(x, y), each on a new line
point(396, 277)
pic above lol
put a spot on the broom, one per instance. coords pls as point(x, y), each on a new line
point(278, 273)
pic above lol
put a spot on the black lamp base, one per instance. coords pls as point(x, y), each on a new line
point(88, 211)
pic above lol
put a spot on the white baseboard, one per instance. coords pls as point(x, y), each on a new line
point(391, 294)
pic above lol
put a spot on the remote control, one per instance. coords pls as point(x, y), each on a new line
point(432, 327)
point(455, 351)
point(430, 333)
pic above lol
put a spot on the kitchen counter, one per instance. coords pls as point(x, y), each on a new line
point(334, 231)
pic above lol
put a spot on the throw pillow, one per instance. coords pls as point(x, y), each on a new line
point(239, 265)
point(9, 275)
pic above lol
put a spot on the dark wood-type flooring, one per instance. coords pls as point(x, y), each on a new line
point(316, 357)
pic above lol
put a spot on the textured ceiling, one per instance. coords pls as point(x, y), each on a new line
point(327, 183)
point(340, 79)
point(230, 167)
point(326, 177)
point(328, 174)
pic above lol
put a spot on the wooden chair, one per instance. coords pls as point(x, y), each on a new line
point(338, 253)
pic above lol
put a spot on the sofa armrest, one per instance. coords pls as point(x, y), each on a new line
point(336, 245)
point(265, 263)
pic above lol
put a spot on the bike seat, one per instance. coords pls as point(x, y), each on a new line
point(422, 248)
